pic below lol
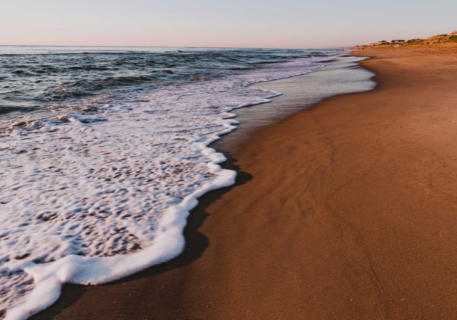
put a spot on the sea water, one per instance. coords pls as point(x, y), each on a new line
point(103, 152)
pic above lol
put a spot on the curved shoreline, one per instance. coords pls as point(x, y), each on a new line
point(169, 242)
point(192, 250)
point(347, 212)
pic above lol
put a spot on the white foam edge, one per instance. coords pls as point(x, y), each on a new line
point(168, 243)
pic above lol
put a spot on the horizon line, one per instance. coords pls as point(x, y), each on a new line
point(136, 46)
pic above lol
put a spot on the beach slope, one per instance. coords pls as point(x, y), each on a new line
point(347, 210)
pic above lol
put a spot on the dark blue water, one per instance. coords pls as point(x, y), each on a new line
point(34, 78)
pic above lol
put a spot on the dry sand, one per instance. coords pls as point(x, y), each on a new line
point(347, 210)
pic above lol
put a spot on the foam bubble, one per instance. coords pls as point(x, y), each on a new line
point(94, 196)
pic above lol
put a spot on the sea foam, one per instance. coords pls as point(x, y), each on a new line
point(92, 196)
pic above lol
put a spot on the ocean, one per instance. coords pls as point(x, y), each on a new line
point(104, 151)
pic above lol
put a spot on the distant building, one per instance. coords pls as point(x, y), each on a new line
point(383, 42)
point(398, 41)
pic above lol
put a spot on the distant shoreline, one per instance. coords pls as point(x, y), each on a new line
point(437, 39)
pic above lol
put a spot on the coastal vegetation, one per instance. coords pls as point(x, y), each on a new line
point(441, 38)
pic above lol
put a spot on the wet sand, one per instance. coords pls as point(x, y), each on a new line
point(347, 210)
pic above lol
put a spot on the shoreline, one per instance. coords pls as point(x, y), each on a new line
point(343, 223)
point(252, 120)
point(168, 240)
point(297, 94)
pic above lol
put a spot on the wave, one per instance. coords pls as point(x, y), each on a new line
point(39, 76)
point(7, 109)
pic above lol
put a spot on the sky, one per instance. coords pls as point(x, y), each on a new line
point(229, 23)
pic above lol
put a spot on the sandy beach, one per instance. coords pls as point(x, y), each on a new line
point(346, 210)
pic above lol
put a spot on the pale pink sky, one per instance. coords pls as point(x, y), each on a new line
point(255, 23)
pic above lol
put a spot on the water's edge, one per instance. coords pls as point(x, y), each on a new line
point(229, 174)
point(168, 243)
point(57, 187)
